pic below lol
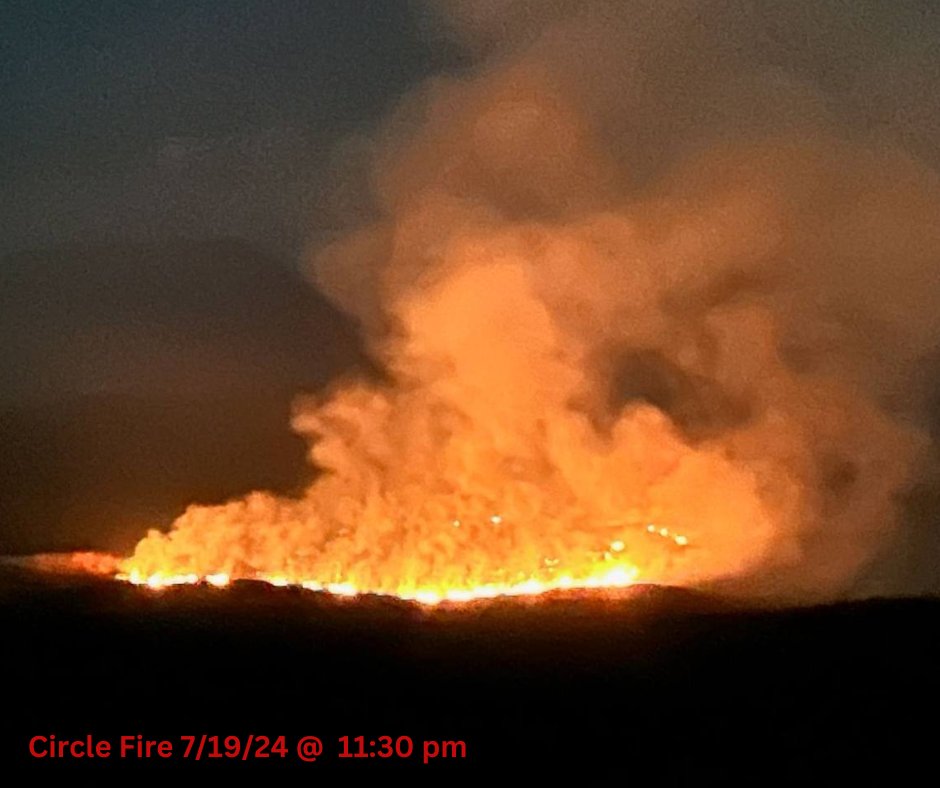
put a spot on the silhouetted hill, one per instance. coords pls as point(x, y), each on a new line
point(659, 686)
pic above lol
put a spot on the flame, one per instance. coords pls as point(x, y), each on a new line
point(620, 576)
point(470, 476)
point(600, 572)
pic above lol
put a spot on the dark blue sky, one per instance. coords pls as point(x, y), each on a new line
point(145, 119)
point(145, 361)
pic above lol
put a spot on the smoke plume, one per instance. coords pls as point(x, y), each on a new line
point(651, 281)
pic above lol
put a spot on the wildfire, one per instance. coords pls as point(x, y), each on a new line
point(469, 472)
point(606, 569)
point(574, 386)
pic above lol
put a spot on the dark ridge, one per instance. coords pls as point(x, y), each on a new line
point(664, 685)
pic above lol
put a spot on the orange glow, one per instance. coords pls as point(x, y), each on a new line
point(580, 389)
point(619, 576)
point(605, 569)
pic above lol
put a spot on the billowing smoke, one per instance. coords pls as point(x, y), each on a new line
point(649, 286)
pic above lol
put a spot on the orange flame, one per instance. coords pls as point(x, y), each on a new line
point(472, 476)
point(604, 572)
point(605, 569)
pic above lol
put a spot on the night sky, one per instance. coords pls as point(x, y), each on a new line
point(166, 163)
point(148, 120)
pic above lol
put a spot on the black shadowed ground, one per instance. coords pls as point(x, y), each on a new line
point(660, 685)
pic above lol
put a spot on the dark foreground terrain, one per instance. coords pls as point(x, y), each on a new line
point(658, 687)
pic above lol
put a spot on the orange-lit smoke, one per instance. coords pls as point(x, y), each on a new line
point(615, 344)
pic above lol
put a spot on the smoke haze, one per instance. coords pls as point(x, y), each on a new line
point(643, 264)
